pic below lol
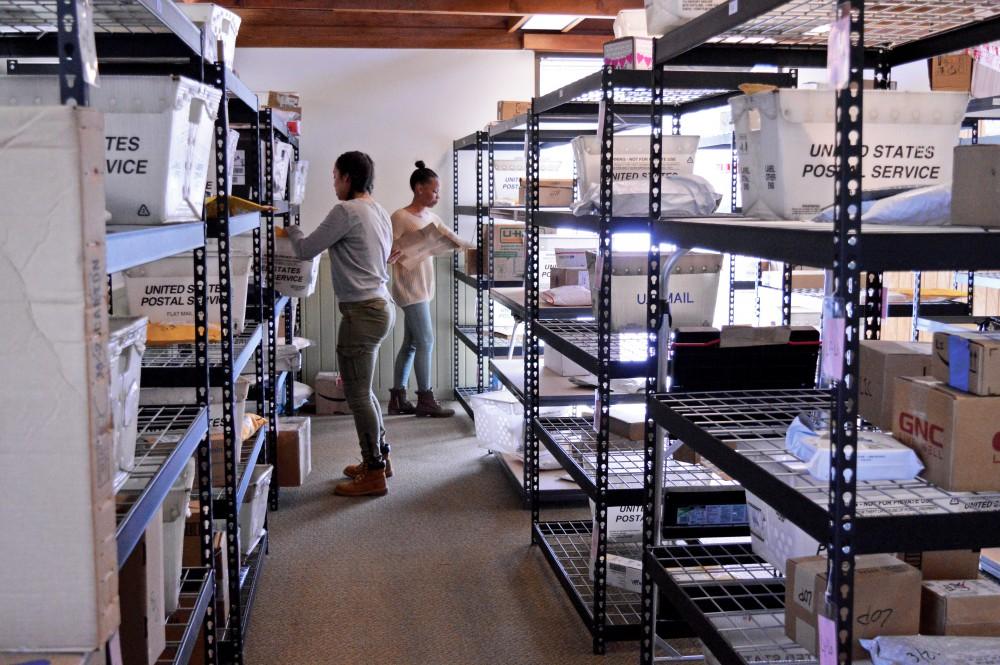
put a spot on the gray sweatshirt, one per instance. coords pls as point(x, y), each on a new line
point(358, 235)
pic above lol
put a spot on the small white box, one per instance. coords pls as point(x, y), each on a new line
point(631, 23)
point(297, 182)
point(254, 510)
point(218, 24)
point(163, 291)
point(629, 53)
point(571, 258)
point(624, 573)
point(292, 276)
point(282, 163)
point(561, 365)
point(58, 560)
point(126, 344)
point(774, 538)
point(157, 143)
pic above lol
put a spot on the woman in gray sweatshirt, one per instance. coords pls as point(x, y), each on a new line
point(357, 233)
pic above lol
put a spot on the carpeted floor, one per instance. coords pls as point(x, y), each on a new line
point(440, 571)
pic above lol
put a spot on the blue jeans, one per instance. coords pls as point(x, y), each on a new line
point(418, 345)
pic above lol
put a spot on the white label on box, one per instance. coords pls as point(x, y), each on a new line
point(239, 175)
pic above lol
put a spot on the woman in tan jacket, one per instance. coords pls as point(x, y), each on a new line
point(413, 289)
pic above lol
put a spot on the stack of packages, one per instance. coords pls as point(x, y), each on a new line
point(941, 402)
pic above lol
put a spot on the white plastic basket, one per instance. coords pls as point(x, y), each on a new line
point(175, 514)
point(297, 182)
point(254, 510)
point(158, 132)
point(163, 290)
point(178, 396)
point(292, 276)
point(631, 169)
point(219, 24)
point(282, 164)
point(126, 344)
point(499, 419)
point(664, 15)
point(630, 23)
point(789, 161)
point(231, 147)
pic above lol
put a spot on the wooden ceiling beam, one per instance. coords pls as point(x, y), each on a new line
point(543, 42)
point(586, 8)
point(514, 24)
point(324, 36)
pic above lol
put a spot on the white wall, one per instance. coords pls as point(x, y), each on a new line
point(397, 105)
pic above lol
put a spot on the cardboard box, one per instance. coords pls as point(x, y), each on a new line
point(960, 607)
point(192, 559)
point(472, 261)
point(509, 251)
point(57, 508)
point(294, 451)
point(571, 258)
point(285, 101)
point(551, 193)
point(629, 53)
point(881, 362)
point(775, 538)
point(951, 72)
point(957, 435)
point(809, 279)
point(569, 277)
point(508, 109)
point(886, 599)
point(624, 573)
point(143, 636)
point(968, 361)
point(629, 421)
point(329, 393)
point(976, 185)
point(945, 564)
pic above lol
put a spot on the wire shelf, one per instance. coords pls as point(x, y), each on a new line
point(34, 16)
point(462, 395)
point(887, 24)
point(644, 96)
point(576, 439)
point(184, 624)
point(751, 427)
point(569, 544)
point(182, 356)
point(249, 452)
point(167, 437)
point(578, 341)
point(740, 598)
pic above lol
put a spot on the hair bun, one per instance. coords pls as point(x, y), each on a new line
point(420, 164)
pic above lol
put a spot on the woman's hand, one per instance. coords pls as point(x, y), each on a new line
point(394, 256)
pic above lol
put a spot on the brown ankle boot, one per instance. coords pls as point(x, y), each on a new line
point(355, 470)
point(430, 407)
point(398, 404)
point(370, 482)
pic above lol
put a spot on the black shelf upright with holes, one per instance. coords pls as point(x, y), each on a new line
point(733, 600)
point(610, 471)
point(475, 339)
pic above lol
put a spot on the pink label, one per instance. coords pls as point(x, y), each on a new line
point(833, 348)
point(827, 641)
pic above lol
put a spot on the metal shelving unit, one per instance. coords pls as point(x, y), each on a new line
point(153, 37)
point(609, 470)
point(740, 617)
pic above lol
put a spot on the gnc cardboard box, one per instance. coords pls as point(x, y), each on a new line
point(58, 557)
point(886, 599)
point(881, 362)
point(945, 565)
point(143, 636)
point(976, 185)
point(968, 361)
point(961, 607)
point(951, 72)
point(294, 451)
point(551, 193)
point(957, 435)
point(508, 109)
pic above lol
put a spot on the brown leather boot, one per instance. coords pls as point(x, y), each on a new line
point(430, 407)
point(398, 404)
point(355, 470)
point(370, 482)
